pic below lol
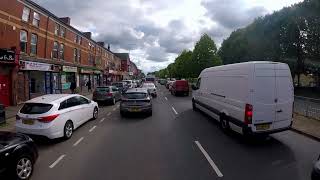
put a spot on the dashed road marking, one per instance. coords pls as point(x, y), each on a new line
point(174, 111)
point(92, 128)
point(114, 109)
point(76, 143)
point(109, 114)
point(102, 120)
point(166, 98)
point(57, 161)
point(213, 165)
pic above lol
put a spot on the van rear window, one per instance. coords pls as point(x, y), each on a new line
point(35, 108)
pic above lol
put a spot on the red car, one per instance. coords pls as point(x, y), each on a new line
point(180, 87)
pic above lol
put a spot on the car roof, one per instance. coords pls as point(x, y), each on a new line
point(50, 98)
point(133, 90)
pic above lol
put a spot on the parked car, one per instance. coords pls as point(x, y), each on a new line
point(129, 83)
point(315, 175)
point(55, 115)
point(169, 83)
point(110, 94)
point(251, 98)
point(151, 89)
point(180, 87)
point(18, 154)
point(121, 86)
point(136, 100)
point(163, 81)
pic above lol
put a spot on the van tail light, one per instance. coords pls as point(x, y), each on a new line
point(18, 118)
point(47, 119)
point(109, 94)
point(248, 114)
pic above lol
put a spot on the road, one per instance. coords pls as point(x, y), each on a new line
point(175, 143)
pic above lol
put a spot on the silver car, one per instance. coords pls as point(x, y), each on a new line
point(136, 100)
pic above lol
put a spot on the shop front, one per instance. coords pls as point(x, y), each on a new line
point(40, 78)
point(97, 78)
point(68, 75)
point(86, 75)
point(7, 66)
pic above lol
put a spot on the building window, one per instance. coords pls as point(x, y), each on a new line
point(63, 31)
point(61, 51)
point(34, 42)
point(25, 14)
point(23, 41)
point(55, 49)
point(79, 56)
point(56, 29)
point(75, 52)
point(36, 19)
point(79, 40)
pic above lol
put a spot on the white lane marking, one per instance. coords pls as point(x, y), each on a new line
point(118, 105)
point(109, 114)
point(92, 128)
point(76, 143)
point(213, 165)
point(114, 109)
point(174, 111)
point(166, 98)
point(57, 161)
point(102, 120)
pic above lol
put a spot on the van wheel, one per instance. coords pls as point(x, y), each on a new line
point(224, 123)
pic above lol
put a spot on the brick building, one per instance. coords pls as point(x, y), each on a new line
point(41, 53)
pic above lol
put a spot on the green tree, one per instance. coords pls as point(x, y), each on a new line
point(205, 55)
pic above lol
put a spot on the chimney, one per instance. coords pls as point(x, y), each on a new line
point(87, 34)
point(65, 20)
point(109, 47)
point(101, 43)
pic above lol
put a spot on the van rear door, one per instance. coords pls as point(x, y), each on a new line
point(284, 96)
point(264, 95)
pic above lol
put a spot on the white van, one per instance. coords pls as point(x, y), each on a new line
point(250, 98)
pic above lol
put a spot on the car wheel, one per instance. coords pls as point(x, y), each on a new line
point(68, 130)
point(224, 123)
point(95, 113)
point(150, 113)
point(122, 114)
point(23, 167)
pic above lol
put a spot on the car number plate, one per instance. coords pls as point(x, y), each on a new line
point(135, 110)
point(262, 126)
point(28, 121)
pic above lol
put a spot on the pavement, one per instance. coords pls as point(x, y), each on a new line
point(174, 143)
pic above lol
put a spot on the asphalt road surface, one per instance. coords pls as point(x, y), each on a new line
point(175, 143)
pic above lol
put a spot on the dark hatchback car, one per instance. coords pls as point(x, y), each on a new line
point(18, 153)
point(121, 86)
point(136, 100)
point(180, 87)
point(315, 175)
point(110, 94)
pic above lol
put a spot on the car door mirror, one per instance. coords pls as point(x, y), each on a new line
point(194, 87)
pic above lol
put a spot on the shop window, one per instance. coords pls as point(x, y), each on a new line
point(25, 14)
point(36, 19)
point(63, 31)
point(55, 50)
point(37, 82)
point(23, 41)
point(61, 51)
point(56, 29)
point(34, 42)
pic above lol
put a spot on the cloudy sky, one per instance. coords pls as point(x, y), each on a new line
point(156, 31)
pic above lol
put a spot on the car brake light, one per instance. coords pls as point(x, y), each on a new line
point(47, 119)
point(109, 94)
point(18, 118)
point(248, 114)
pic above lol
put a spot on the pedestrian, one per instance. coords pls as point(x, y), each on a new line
point(73, 87)
point(89, 85)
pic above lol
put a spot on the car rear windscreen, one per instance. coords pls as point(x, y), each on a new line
point(35, 108)
point(102, 89)
point(136, 95)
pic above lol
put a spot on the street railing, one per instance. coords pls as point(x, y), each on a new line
point(308, 107)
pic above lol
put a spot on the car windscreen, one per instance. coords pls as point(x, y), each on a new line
point(135, 95)
point(102, 89)
point(35, 108)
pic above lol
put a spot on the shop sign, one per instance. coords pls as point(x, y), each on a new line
point(111, 71)
point(130, 73)
point(35, 66)
point(87, 71)
point(69, 69)
point(7, 55)
point(97, 72)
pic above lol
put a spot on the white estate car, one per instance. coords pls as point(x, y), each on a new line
point(55, 115)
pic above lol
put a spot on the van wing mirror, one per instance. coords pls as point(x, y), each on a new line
point(194, 87)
